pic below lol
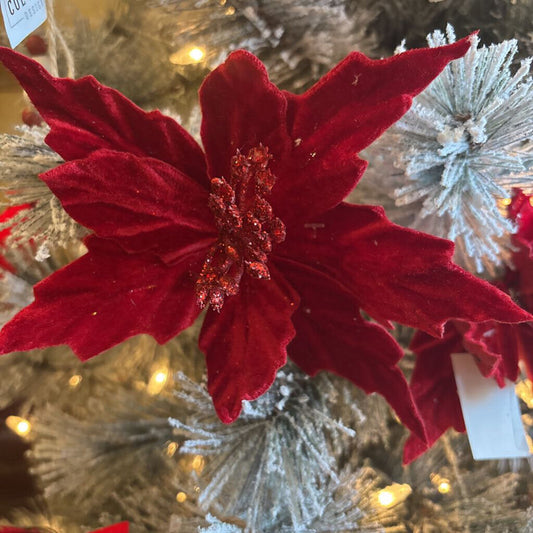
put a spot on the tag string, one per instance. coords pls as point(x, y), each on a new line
point(55, 37)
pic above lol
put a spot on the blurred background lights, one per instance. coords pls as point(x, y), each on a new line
point(188, 55)
point(18, 425)
point(157, 381)
point(393, 494)
point(196, 54)
point(75, 380)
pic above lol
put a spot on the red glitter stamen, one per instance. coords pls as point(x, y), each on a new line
point(247, 228)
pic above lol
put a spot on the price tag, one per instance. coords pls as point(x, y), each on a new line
point(492, 414)
point(21, 17)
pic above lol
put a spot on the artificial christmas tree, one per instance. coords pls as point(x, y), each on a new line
point(243, 246)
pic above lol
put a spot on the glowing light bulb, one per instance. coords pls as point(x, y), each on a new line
point(75, 380)
point(230, 11)
point(394, 494)
point(196, 54)
point(172, 448)
point(444, 486)
point(506, 201)
point(198, 463)
point(18, 425)
point(385, 498)
point(181, 497)
point(160, 377)
point(531, 201)
point(187, 55)
point(157, 381)
point(442, 483)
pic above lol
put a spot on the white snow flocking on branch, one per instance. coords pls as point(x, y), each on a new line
point(462, 148)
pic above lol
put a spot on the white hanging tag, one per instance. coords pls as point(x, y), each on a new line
point(21, 17)
point(491, 414)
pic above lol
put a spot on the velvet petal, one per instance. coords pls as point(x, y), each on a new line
point(141, 203)
point(122, 527)
point(434, 388)
point(396, 273)
point(495, 346)
point(342, 114)
point(241, 108)
point(359, 88)
point(85, 116)
point(245, 344)
point(332, 335)
point(525, 346)
point(103, 298)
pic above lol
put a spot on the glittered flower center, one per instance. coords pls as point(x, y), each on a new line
point(247, 228)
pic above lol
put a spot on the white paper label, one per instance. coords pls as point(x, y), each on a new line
point(491, 414)
point(21, 17)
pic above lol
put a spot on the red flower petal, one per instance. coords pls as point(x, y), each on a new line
point(122, 527)
point(241, 109)
point(103, 298)
point(346, 101)
point(434, 389)
point(85, 116)
point(521, 210)
point(245, 344)
point(495, 347)
point(141, 203)
point(525, 347)
point(8, 213)
point(396, 273)
point(332, 336)
point(342, 114)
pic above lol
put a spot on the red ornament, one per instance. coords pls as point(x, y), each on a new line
point(496, 347)
point(31, 117)
point(36, 45)
point(255, 228)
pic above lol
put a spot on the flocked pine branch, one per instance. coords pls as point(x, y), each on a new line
point(297, 40)
point(461, 149)
point(83, 461)
point(273, 466)
point(22, 158)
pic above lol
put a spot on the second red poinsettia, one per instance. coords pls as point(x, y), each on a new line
point(254, 229)
point(496, 347)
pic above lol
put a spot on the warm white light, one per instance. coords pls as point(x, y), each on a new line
point(198, 463)
point(506, 201)
point(157, 381)
point(160, 377)
point(181, 497)
point(18, 425)
point(75, 380)
point(385, 498)
point(196, 54)
point(444, 486)
point(172, 448)
point(394, 494)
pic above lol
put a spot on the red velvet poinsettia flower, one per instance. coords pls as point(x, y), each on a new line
point(7, 214)
point(496, 347)
point(254, 229)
